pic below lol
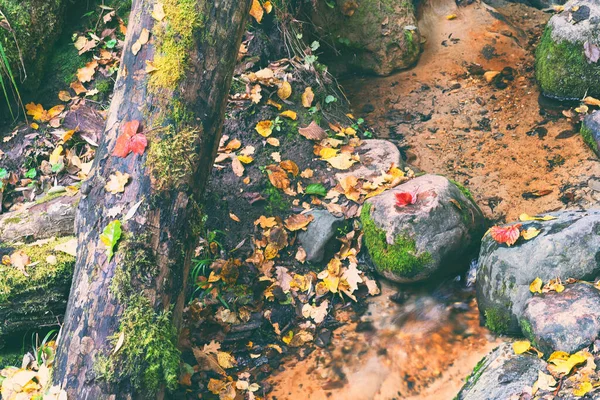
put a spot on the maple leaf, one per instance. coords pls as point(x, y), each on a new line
point(406, 198)
point(130, 140)
point(138, 143)
point(506, 234)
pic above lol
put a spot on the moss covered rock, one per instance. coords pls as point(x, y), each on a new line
point(433, 236)
point(562, 68)
point(36, 25)
point(27, 302)
point(374, 36)
point(590, 131)
point(566, 247)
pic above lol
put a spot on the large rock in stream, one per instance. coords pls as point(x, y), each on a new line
point(563, 69)
point(432, 236)
point(567, 321)
point(501, 374)
point(373, 36)
point(566, 247)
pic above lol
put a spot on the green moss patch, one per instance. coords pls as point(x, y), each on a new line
point(588, 138)
point(497, 320)
point(149, 356)
point(563, 71)
point(42, 276)
point(400, 258)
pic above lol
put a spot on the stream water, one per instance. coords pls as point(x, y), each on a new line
point(421, 342)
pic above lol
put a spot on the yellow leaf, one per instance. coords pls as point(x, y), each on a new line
point(234, 217)
point(521, 346)
point(526, 217)
point(265, 222)
point(36, 111)
point(285, 90)
point(86, 73)
point(257, 11)
point(327, 152)
point(68, 135)
point(274, 104)
point(450, 17)
point(34, 125)
point(264, 128)
point(271, 251)
point(562, 366)
point(289, 114)
point(530, 233)
point(558, 355)
point(54, 111)
point(273, 141)
point(117, 182)
point(268, 7)
point(63, 95)
point(342, 161)
point(307, 97)
point(591, 101)
point(582, 389)
point(582, 109)
point(225, 360)
point(55, 156)
point(536, 286)
point(544, 382)
point(245, 159)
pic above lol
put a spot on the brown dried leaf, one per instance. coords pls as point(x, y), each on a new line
point(313, 132)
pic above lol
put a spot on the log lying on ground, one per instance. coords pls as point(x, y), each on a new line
point(50, 217)
point(37, 299)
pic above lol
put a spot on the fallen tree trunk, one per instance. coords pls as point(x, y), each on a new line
point(54, 217)
point(120, 331)
point(37, 299)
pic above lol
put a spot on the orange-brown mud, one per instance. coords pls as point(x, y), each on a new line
point(499, 142)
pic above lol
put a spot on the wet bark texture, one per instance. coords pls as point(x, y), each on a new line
point(55, 217)
point(165, 218)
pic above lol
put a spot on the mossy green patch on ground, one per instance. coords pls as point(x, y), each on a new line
point(463, 189)
point(42, 276)
point(400, 258)
point(588, 138)
point(563, 70)
point(149, 356)
point(10, 359)
point(497, 319)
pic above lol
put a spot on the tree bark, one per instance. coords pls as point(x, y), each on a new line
point(123, 313)
point(55, 217)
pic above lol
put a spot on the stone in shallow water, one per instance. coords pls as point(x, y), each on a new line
point(567, 321)
point(433, 236)
point(567, 247)
point(501, 374)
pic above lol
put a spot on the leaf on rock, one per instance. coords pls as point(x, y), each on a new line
point(536, 286)
point(521, 346)
point(117, 182)
point(544, 382)
point(298, 221)
point(592, 52)
point(313, 132)
point(130, 141)
point(264, 128)
point(138, 143)
point(342, 161)
point(530, 233)
point(526, 217)
point(158, 12)
point(110, 237)
point(563, 366)
point(327, 153)
point(506, 234)
point(406, 198)
point(583, 388)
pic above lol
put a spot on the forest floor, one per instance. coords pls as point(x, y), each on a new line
point(517, 153)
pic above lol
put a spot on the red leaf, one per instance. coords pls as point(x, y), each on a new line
point(138, 143)
point(406, 198)
point(506, 234)
point(130, 141)
point(122, 146)
point(130, 128)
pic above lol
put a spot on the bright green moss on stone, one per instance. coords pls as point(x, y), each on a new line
point(588, 138)
point(400, 258)
point(563, 70)
point(497, 320)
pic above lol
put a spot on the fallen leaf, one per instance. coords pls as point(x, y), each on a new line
point(285, 90)
point(530, 233)
point(406, 198)
point(158, 11)
point(289, 114)
point(117, 182)
point(582, 388)
point(55, 157)
point(19, 259)
point(273, 141)
point(526, 217)
point(265, 222)
point(257, 11)
point(119, 343)
point(342, 161)
point(450, 17)
point(264, 128)
point(521, 346)
point(591, 101)
point(544, 382)
point(313, 132)
point(63, 95)
point(564, 366)
point(290, 166)
point(307, 97)
point(78, 87)
point(298, 221)
point(536, 286)
point(234, 217)
point(86, 73)
point(507, 234)
point(225, 360)
point(110, 237)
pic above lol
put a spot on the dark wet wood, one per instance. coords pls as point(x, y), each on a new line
point(93, 313)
